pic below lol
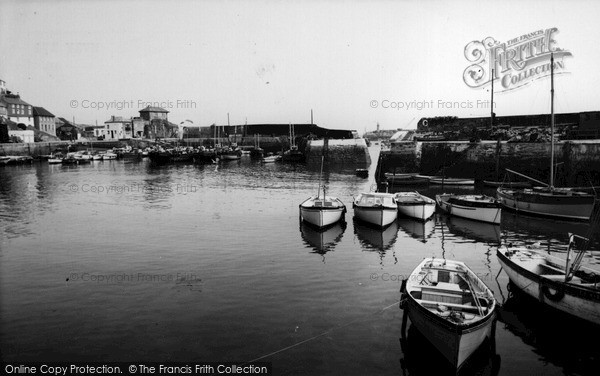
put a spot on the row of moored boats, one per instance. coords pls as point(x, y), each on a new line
point(444, 299)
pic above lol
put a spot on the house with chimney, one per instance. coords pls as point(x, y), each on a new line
point(44, 120)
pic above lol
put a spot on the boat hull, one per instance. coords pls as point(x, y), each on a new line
point(321, 217)
point(576, 301)
point(451, 181)
point(380, 216)
point(421, 212)
point(456, 345)
point(433, 285)
point(577, 207)
point(483, 214)
point(415, 205)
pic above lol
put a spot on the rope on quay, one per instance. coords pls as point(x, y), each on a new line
point(319, 335)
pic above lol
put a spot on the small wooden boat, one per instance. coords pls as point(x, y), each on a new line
point(378, 209)
point(109, 155)
point(507, 184)
point(450, 181)
point(231, 155)
point(322, 211)
point(406, 179)
point(450, 306)
point(561, 284)
point(362, 172)
point(476, 207)
point(271, 159)
point(69, 160)
point(55, 159)
point(415, 205)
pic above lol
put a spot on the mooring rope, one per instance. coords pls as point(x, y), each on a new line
point(319, 335)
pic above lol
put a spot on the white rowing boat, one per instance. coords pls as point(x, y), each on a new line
point(450, 306)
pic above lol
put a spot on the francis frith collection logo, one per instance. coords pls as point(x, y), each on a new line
point(514, 63)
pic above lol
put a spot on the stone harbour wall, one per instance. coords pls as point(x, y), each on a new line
point(577, 162)
point(338, 152)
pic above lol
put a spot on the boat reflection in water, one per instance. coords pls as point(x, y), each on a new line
point(555, 337)
point(376, 239)
point(421, 357)
point(523, 230)
point(419, 230)
point(322, 241)
point(473, 230)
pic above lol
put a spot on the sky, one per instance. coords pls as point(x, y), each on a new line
point(353, 63)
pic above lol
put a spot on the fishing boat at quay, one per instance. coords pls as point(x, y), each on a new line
point(475, 207)
point(562, 284)
point(451, 306)
point(378, 209)
point(415, 205)
point(548, 200)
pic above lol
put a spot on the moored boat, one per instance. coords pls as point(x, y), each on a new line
point(562, 203)
point(271, 159)
point(378, 209)
point(406, 179)
point(450, 181)
point(563, 285)
point(450, 306)
point(415, 205)
point(362, 172)
point(109, 155)
point(549, 201)
point(507, 184)
point(476, 207)
point(322, 211)
point(55, 158)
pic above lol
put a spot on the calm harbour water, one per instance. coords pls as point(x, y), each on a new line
point(117, 261)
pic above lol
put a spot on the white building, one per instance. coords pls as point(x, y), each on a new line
point(116, 128)
point(17, 109)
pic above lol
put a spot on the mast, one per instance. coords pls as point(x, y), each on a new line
point(320, 177)
point(492, 105)
point(551, 121)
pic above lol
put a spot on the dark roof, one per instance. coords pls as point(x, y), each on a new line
point(13, 99)
point(153, 109)
point(284, 130)
point(41, 111)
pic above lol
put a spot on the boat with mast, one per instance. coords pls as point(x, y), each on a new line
point(562, 284)
point(322, 211)
point(497, 183)
point(548, 200)
point(293, 155)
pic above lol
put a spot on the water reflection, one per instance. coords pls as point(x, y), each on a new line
point(554, 336)
point(376, 239)
point(526, 230)
point(423, 358)
point(472, 230)
point(322, 241)
point(422, 231)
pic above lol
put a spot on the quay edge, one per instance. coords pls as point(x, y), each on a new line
point(578, 161)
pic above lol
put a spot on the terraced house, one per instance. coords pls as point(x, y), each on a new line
point(44, 120)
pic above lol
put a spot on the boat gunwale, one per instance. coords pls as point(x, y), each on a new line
point(576, 290)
